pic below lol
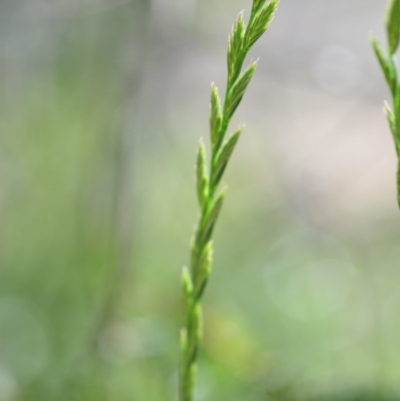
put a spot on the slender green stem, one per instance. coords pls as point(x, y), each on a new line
point(194, 280)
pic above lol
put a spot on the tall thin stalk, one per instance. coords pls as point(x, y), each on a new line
point(210, 196)
point(388, 63)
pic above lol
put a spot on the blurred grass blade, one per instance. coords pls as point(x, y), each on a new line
point(392, 123)
point(384, 61)
point(393, 25)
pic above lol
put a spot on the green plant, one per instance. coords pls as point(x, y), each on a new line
point(388, 63)
point(210, 197)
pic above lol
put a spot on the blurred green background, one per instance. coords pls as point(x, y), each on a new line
point(102, 103)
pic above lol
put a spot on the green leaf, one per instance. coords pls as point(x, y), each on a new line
point(260, 22)
point(184, 343)
point(208, 222)
point(393, 25)
point(224, 155)
point(187, 284)
point(235, 48)
point(257, 4)
point(385, 63)
point(203, 270)
point(202, 176)
point(237, 91)
point(201, 261)
point(393, 127)
point(192, 381)
point(215, 115)
point(195, 331)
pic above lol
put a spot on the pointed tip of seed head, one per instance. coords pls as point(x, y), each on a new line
point(372, 36)
point(224, 189)
point(275, 3)
point(386, 107)
point(253, 65)
point(214, 88)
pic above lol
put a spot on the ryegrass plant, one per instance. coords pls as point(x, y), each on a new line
point(210, 196)
point(388, 62)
